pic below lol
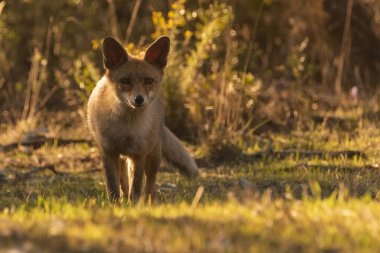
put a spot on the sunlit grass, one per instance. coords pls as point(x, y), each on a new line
point(282, 225)
point(271, 204)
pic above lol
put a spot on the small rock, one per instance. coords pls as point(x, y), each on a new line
point(246, 184)
point(167, 187)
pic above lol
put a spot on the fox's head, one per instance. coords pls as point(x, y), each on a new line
point(137, 82)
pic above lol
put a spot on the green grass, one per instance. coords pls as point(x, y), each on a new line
point(295, 204)
point(262, 224)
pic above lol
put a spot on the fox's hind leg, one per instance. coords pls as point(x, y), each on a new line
point(151, 168)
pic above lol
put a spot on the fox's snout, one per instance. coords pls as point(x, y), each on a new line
point(139, 100)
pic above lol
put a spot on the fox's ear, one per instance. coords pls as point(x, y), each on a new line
point(114, 54)
point(157, 53)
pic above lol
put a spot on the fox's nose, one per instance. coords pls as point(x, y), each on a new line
point(139, 100)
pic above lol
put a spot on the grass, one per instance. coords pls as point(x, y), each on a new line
point(292, 204)
point(263, 224)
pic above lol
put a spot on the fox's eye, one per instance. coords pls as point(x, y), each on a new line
point(125, 80)
point(148, 80)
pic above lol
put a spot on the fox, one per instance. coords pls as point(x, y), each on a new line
point(126, 119)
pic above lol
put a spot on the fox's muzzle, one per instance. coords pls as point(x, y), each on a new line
point(139, 100)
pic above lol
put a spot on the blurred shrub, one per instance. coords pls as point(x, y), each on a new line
point(202, 73)
point(61, 31)
point(230, 61)
point(302, 41)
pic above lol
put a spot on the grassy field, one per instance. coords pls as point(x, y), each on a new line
point(53, 199)
point(280, 101)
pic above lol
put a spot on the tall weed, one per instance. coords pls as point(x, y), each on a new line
point(202, 73)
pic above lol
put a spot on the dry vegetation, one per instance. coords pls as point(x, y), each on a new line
point(278, 100)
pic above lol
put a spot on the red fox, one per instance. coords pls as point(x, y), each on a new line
point(126, 118)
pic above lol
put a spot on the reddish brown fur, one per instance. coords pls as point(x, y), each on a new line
point(121, 128)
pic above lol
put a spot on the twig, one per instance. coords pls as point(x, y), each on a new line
point(344, 48)
point(50, 167)
point(48, 96)
point(250, 46)
point(35, 170)
point(197, 197)
point(41, 78)
point(132, 21)
point(282, 154)
point(114, 22)
point(94, 170)
point(32, 79)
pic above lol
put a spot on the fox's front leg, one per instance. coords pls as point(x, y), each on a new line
point(135, 176)
point(123, 178)
point(112, 172)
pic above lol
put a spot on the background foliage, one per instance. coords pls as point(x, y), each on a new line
point(234, 66)
point(280, 97)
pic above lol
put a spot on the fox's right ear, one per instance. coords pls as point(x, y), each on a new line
point(157, 53)
point(114, 54)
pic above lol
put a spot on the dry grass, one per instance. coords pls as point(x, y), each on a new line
point(303, 204)
point(234, 85)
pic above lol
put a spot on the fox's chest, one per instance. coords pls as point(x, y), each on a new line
point(130, 143)
point(131, 138)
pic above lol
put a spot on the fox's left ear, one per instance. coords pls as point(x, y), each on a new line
point(157, 53)
point(114, 53)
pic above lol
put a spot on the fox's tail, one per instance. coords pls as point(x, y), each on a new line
point(176, 154)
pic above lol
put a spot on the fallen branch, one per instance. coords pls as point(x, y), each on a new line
point(12, 174)
point(282, 154)
point(306, 154)
point(36, 144)
point(35, 170)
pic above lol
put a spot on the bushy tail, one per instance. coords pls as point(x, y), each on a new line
point(176, 154)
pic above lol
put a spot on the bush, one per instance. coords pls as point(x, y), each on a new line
point(231, 69)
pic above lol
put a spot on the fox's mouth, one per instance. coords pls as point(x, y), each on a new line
point(137, 107)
